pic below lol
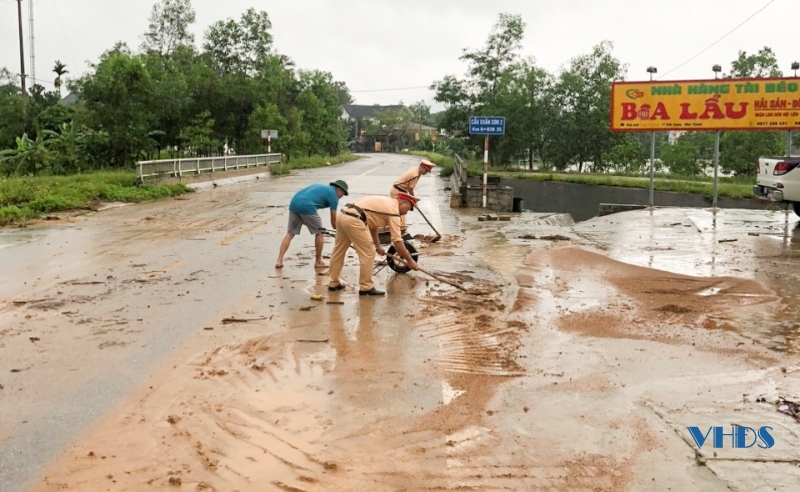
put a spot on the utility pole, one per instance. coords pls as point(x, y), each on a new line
point(30, 43)
point(21, 50)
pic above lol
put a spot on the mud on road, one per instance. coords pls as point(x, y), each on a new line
point(202, 368)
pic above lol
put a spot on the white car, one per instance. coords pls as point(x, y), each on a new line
point(778, 180)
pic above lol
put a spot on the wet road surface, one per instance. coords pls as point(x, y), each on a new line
point(155, 346)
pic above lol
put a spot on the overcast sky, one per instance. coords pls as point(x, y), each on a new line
point(381, 44)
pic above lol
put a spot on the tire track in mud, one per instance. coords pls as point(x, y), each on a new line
point(237, 417)
point(264, 411)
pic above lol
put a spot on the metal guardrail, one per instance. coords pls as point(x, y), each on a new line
point(176, 168)
point(459, 176)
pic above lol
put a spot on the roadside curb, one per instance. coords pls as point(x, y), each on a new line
point(207, 185)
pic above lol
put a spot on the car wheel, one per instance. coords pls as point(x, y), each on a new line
point(796, 207)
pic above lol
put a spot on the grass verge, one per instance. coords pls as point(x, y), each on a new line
point(26, 199)
point(311, 162)
point(736, 188)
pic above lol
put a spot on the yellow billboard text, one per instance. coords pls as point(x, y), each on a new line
point(730, 104)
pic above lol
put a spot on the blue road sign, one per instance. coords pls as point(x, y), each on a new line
point(487, 125)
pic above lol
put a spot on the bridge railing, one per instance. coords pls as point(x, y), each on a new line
point(176, 168)
point(459, 176)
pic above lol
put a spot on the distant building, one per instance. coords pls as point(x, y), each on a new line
point(392, 136)
point(352, 112)
point(70, 99)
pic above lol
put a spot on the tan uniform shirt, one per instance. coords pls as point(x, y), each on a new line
point(381, 211)
point(408, 181)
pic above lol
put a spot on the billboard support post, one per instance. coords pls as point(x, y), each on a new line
point(716, 69)
point(716, 168)
point(651, 71)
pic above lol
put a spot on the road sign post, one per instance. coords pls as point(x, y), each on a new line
point(269, 135)
point(486, 125)
point(485, 170)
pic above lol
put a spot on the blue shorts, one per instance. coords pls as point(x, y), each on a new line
point(312, 222)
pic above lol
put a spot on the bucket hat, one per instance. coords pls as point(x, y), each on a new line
point(341, 185)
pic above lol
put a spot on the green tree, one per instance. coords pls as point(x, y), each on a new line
point(267, 116)
point(318, 100)
point(421, 113)
point(500, 53)
point(239, 46)
point(118, 96)
point(584, 92)
point(762, 64)
point(682, 157)
point(487, 76)
point(52, 117)
point(625, 154)
point(198, 137)
point(522, 96)
point(170, 99)
point(14, 110)
point(740, 150)
point(169, 26)
point(297, 139)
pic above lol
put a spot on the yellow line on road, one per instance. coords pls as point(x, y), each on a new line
point(362, 175)
point(228, 240)
point(147, 277)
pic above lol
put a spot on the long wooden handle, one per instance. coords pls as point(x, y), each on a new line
point(429, 223)
point(398, 258)
point(440, 279)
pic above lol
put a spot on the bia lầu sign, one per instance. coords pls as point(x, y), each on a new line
point(721, 104)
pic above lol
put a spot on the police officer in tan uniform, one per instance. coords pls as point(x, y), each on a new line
point(357, 223)
point(408, 181)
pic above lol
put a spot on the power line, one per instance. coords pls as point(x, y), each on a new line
point(396, 89)
point(720, 39)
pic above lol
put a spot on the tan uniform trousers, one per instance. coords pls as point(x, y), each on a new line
point(403, 224)
point(351, 230)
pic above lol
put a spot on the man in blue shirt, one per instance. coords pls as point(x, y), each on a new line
point(303, 211)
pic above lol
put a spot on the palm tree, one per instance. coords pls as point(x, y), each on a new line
point(60, 69)
point(286, 62)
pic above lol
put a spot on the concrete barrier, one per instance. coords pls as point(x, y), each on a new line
point(613, 208)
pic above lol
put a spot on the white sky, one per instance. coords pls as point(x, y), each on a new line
point(383, 44)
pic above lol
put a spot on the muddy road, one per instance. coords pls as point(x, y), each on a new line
point(155, 347)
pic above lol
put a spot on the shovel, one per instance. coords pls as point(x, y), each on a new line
point(438, 236)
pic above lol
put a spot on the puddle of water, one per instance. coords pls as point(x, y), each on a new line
point(710, 292)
